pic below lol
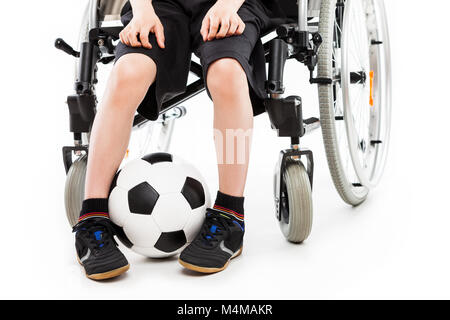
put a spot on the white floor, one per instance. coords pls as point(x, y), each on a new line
point(393, 246)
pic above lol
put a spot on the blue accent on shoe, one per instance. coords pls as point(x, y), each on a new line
point(240, 226)
point(98, 235)
point(213, 229)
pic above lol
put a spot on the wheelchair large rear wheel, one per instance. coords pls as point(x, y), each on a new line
point(355, 109)
point(296, 203)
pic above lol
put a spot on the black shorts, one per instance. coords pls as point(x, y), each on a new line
point(182, 20)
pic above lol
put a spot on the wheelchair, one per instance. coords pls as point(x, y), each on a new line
point(345, 46)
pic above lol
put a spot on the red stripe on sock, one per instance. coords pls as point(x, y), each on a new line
point(241, 216)
point(93, 214)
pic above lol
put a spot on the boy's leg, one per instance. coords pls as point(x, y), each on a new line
point(222, 234)
point(233, 123)
point(128, 84)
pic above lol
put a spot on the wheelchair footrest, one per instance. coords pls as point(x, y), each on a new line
point(311, 124)
point(286, 116)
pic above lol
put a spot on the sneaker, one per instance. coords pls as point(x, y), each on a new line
point(97, 250)
point(219, 241)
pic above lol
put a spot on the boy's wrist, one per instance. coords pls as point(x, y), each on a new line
point(141, 4)
point(235, 3)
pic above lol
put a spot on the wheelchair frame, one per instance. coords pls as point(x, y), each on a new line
point(300, 41)
point(99, 48)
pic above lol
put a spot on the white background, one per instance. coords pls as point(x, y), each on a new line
point(396, 245)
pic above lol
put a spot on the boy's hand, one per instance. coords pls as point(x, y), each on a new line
point(144, 22)
point(222, 20)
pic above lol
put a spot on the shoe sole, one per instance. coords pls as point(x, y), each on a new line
point(209, 270)
point(106, 275)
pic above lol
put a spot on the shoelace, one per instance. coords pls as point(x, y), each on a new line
point(96, 227)
point(215, 224)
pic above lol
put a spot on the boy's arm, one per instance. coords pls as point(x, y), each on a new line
point(144, 22)
point(222, 20)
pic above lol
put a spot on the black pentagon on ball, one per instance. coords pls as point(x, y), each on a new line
point(171, 241)
point(122, 236)
point(158, 157)
point(142, 199)
point(193, 192)
point(114, 182)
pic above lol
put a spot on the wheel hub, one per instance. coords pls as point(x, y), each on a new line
point(358, 77)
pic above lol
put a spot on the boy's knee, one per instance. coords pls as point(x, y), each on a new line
point(133, 72)
point(128, 84)
point(226, 77)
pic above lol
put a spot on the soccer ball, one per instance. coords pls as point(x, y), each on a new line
point(158, 203)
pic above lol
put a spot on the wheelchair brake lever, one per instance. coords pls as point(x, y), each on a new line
point(64, 46)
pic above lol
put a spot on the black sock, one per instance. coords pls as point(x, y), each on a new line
point(94, 208)
point(231, 206)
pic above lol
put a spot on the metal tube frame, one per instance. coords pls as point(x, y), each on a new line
point(197, 87)
point(302, 15)
point(93, 14)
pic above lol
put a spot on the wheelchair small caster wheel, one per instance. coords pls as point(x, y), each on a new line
point(74, 189)
point(295, 203)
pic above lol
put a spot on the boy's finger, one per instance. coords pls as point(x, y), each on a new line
point(123, 37)
point(224, 27)
point(205, 28)
point(241, 28)
point(133, 37)
point(213, 27)
point(127, 39)
point(144, 37)
point(233, 27)
point(159, 33)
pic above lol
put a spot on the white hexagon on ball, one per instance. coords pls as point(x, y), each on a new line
point(165, 208)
